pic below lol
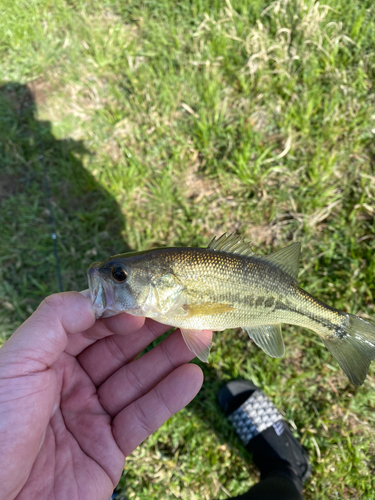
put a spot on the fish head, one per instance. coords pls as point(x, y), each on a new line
point(141, 285)
point(118, 285)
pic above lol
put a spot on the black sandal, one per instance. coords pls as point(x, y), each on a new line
point(264, 432)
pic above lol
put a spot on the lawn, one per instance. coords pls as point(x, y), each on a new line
point(160, 123)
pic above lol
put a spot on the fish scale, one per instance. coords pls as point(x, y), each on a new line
point(227, 286)
point(232, 280)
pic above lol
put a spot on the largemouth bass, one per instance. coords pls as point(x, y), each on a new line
point(226, 286)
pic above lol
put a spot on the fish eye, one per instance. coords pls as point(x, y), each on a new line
point(119, 274)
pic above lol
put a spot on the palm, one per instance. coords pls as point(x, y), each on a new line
point(78, 437)
point(71, 425)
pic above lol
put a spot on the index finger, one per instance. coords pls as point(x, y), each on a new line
point(121, 324)
point(103, 358)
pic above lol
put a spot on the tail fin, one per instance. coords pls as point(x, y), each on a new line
point(353, 347)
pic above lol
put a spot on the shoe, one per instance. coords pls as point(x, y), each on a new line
point(264, 432)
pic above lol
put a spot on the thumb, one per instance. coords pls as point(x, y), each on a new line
point(41, 339)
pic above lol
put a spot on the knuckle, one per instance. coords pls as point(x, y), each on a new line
point(168, 355)
point(142, 418)
point(164, 402)
point(114, 349)
point(48, 317)
point(155, 329)
point(134, 380)
point(53, 302)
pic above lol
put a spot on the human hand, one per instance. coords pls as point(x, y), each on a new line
point(74, 402)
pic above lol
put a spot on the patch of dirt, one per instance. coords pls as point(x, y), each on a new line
point(25, 98)
point(265, 234)
point(112, 149)
point(39, 90)
point(8, 185)
point(198, 186)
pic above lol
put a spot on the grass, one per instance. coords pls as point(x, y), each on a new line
point(166, 123)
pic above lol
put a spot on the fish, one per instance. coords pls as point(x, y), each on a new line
point(223, 286)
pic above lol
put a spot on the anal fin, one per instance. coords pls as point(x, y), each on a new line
point(199, 342)
point(269, 338)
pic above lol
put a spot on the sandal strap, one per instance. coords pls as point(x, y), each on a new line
point(254, 416)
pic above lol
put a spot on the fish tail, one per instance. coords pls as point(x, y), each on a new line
point(353, 347)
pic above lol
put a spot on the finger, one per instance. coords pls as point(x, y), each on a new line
point(41, 339)
point(137, 378)
point(121, 324)
point(143, 417)
point(103, 358)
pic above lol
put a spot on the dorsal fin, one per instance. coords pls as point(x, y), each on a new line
point(287, 259)
point(231, 244)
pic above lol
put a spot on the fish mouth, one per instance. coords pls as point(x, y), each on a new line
point(101, 293)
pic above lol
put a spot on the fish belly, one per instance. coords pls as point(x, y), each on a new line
point(241, 316)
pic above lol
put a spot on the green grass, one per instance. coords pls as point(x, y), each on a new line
point(166, 123)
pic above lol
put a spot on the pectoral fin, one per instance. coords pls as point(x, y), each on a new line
point(207, 309)
point(167, 295)
point(199, 342)
point(269, 338)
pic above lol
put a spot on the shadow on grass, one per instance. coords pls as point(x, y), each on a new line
point(39, 176)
